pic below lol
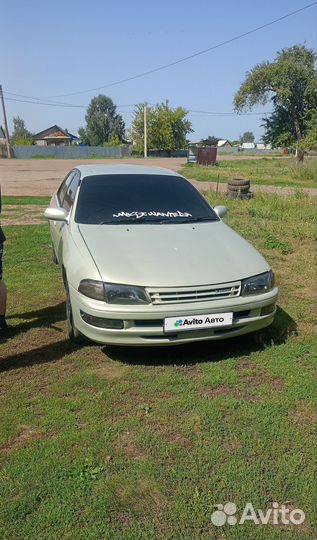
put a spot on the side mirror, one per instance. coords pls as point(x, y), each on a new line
point(221, 211)
point(56, 214)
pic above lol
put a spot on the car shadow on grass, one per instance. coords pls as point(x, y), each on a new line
point(48, 353)
point(43, 318)
point(208, 351)
point(198, 352)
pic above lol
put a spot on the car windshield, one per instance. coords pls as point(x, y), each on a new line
point(140, 198)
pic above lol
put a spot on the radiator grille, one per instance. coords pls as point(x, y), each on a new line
point(184, 295)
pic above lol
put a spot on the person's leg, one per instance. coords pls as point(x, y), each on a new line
point(3, 298)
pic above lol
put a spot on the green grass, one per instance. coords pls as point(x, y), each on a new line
point(17, 200)
point(42, 156)
point(266, 171)
point(103, 442)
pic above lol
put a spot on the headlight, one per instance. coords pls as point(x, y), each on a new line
point(92, 289)
point(113, 293)
point(125, 294)
point(258, 284)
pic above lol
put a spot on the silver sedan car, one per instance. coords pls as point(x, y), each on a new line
point(146, 260)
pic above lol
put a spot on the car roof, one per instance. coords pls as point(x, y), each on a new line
point(93, 170)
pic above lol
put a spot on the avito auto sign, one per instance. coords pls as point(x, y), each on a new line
point(194, 322)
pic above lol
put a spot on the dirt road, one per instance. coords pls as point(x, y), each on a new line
point(42, 176)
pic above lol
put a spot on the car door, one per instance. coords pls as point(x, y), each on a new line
point(66, 196)
point(55, 226)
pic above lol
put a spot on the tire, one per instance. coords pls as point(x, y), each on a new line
point(239, 195)
point(73, 333)
point(239, 182)
point(239, 189)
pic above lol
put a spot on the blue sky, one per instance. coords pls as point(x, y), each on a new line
point(61, 47)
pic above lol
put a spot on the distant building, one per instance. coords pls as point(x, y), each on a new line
point(248, 145)
point(54, 136)
point(224, 143)
point(263, 146)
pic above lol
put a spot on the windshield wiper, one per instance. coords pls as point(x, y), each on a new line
point(112, 222)
point(193, 219)
point(126, 221)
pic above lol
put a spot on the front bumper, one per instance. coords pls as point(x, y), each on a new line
point(143, 325)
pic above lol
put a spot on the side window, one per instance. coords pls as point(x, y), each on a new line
point(63, 187)
point(71, 191)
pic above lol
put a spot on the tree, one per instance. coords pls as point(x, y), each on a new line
point(103, 122)
point(166, 127)
point(82, 134)
point(279, 129)
point(211, 140)
point(20, 136)
point(114, 141)
point(290, 83)
point(248, 137)
point(309, 142)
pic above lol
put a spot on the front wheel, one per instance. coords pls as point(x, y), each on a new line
point(73, 333)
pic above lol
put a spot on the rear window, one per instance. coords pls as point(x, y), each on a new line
point(132, 198)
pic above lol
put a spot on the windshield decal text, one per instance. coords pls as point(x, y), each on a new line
point(153, 213)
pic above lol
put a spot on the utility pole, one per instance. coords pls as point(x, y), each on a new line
point(5, 124)
point(145, 130)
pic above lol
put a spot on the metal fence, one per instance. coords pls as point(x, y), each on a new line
point(86, 152)
point(247, 151)
point(25, 152)
point(164, 153)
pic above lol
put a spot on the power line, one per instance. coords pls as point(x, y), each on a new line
point(189, 57)
point(190, 111)
point(56, 103)
point(33, 98)
point(47, 103)
point(215, 113)
point(44, 101)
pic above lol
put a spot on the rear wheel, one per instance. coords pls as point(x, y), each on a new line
point(73, 333)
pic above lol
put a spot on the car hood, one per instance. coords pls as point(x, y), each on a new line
point(171, 255)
